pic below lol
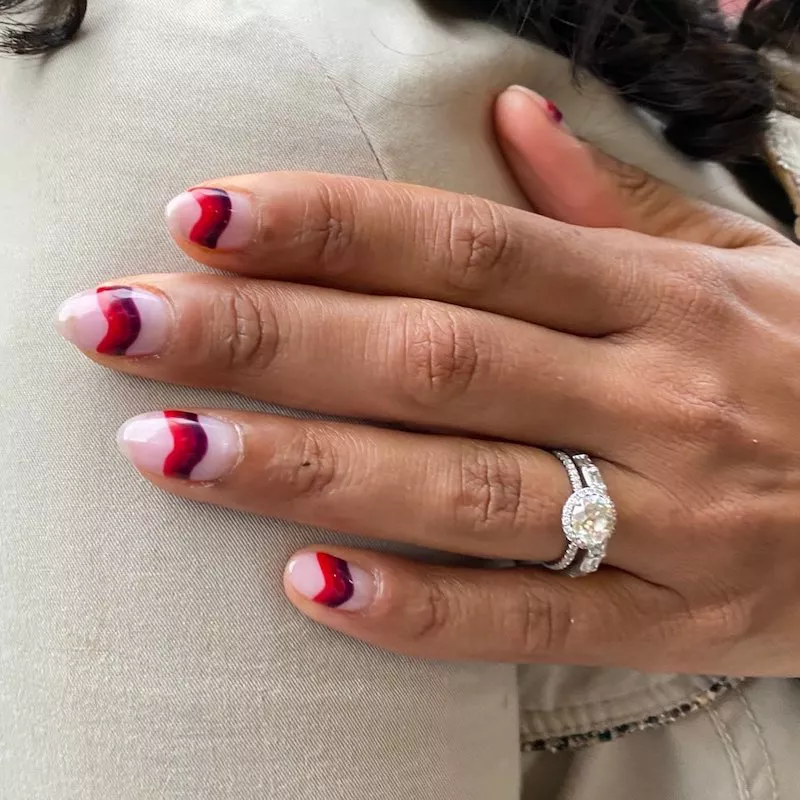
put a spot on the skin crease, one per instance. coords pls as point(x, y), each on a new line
point(656, 333)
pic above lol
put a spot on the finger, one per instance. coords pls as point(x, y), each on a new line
point(456, 495)
point(384, 238)
point(519, 615)
point(333, 352)
point(475, 497)
point(571, 181)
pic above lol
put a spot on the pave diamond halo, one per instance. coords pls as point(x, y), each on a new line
point(588, 519)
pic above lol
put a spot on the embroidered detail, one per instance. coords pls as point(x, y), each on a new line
point(577, 741)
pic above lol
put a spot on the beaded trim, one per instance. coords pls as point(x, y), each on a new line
point(577, 741)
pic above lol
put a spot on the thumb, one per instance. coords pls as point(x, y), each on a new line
point(571, 181)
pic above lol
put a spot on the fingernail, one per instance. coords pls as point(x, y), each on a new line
point(330, 581)
point(213, 218)
point(552, 110)
point(115, 320)
point(180, 444)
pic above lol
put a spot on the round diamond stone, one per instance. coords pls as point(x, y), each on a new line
point(589, 518)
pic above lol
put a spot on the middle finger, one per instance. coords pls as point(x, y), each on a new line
point(384, 358)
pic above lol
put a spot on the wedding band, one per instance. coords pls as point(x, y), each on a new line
point(587, 520)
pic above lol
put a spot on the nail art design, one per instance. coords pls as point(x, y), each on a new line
point(124, 322)
point(190, 443)
point(115, 320)
point(180, 444)
point(330, 581)
point(555, 112)
point(338, 588)
point(215, 214)
point(212, 218)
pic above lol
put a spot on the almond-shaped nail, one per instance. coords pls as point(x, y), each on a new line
point(115, 320)
point(551, 109)
point(214, 218)
point(180, 444)
point(330, 581)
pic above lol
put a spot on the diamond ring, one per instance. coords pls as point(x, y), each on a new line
point(588, 519)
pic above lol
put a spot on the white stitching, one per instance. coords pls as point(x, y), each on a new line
point(761, 741)
point(733, 754)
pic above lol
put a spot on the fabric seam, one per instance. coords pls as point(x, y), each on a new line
point(578, 741)
point(329, 78)
point(356, 120)
point(612, 699)
point(759, 732)
point(734, 756)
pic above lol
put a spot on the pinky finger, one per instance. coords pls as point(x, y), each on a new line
point(516, 615)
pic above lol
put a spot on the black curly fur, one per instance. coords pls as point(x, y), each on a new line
point(774, 24)
point(678, 59)
point(35, 26)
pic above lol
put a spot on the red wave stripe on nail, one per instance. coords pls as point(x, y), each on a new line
point(338, 581)
point(215, 214)
point(554, 111)
point(190, 444)
point(339, 586)
point(124, 321)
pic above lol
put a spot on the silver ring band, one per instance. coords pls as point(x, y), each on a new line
point(587, 520)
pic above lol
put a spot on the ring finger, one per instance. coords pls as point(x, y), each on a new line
point(453, 494)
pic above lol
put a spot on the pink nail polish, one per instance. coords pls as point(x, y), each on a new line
point(180, 444)
point(212, 218)
point(115, 320)
point(330, 581)
point(553, 111)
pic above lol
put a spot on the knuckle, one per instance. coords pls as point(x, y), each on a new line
point(658, 202)
point(433, 614)
point(724, 619)
point(328, 231)
point(489, 499)
point(629, 179)
point(250, 333)
point(541, 623)
point(479, 247)
point(635, 285)
point(709, 413)
point(440, 356)
point(307, 468)
point(695, 294)
point(731, 621)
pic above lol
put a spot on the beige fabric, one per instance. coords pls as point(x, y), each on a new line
point(146, 650)
point(742, 748)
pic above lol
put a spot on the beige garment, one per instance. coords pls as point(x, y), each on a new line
point(146, 649)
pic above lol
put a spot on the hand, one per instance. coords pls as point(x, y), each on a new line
point(667, 351)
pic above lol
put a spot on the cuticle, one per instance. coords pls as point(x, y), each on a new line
point(241, 441)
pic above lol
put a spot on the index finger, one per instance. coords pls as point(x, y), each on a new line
point(387, 238)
